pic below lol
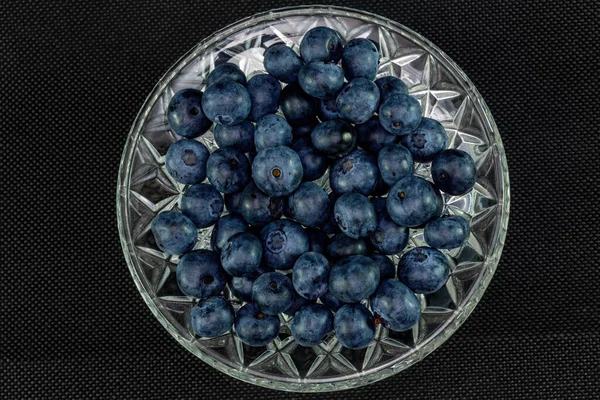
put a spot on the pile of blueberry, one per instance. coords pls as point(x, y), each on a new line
point(330, 253)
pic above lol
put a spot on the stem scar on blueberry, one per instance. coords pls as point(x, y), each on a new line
point(276, 172)
point(443, 175)
point(386, 86)
point(397, 124)
point(194, 110)
point(233, 162)
point(401, 195)
point(208, 279)
point(331, 46)
point(255, 273)
point(273, 285)
point(260, 315)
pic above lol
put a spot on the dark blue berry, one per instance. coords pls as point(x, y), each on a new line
point(298, 107)
point(355, 215)
point(372, 137)
point(186, 161)
point(283, 242)
point(283, 63)
point(353, 278)
point(354, 326)
point(427, 141)
point(360, 59)
point(317, 241)
point(321, 79)
point(389, 85)
point(212, 317)
point(313, 163)
point(272, 130)
point(400, 114)
point(355, 172)
point(395, 162)
point(185, 114)
point(387, 269)
point(202, 204)
point(413, 201)
point(273, 293)
point(341, 246)
point(277, 170)
point(258, 208)
point(310, 275)
point(423, 269)
point(239, 136)
point(232, 203)
point(331, 301)
point(321, 43)
point(174, 233)
point(311, 324)
point(398, 307)
point(447, 232)
point(226, 103)
point(199, 274)
point(241, 286)
point(228, 170)
point(254, 327)
point(334, 138)
point(264, 91)
point(226, 227)
point(388, 237)
point(358, 101)
point(454, 172)
point(226, 73)
point(309, 205)
point(327, 109)
point(242, 254)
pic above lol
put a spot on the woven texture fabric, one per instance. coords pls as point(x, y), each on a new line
point(73, 77)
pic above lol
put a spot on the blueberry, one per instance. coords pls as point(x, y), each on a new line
point(226, 103)
point(211, 317)
point(355, 215)
point(264, 91)
point(239, 136)
point(372, 137)
point(298, 107)
point(423, 269)
point(358, 101)
point(317, 240)
point(226, 73)
point(273, 293)
point(174, 233)
point(310, 275)
point(321, 79)
point(354, 326)
point(413, 201)
point(199, 274)
point(254, 327)
point(387, 269)
point(228, 170)
point(309, 205)
point(454, 172)
point(241, 286)
point(283, 63)
point(334, 138)
point(330, 226)
point(389, 85)
point(397, 306)
point(427, 141)
point(388, 237)
point(202, 204)
point(258, 208)
point(313, 163)
point(297, 304)
point(355, 172)
point(232, 203)
point(400, 114)
point(342, 246)
point(331, 301)
point(353, 278)
point(186, 161)
point(321, 43)
point(226, 227)
point(185, 114)
point(360, 59)
point(447, 232)
point(283, 242)
point(242, 254)
point(327, 109)
point(277, 170)
point(311, 324)
point(272, 130)
point(395, 162)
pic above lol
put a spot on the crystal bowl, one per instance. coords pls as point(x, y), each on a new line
point(445, 93)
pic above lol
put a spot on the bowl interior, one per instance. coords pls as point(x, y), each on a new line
point(445, 93)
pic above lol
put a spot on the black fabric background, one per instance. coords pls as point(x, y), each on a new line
point(73, 76)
